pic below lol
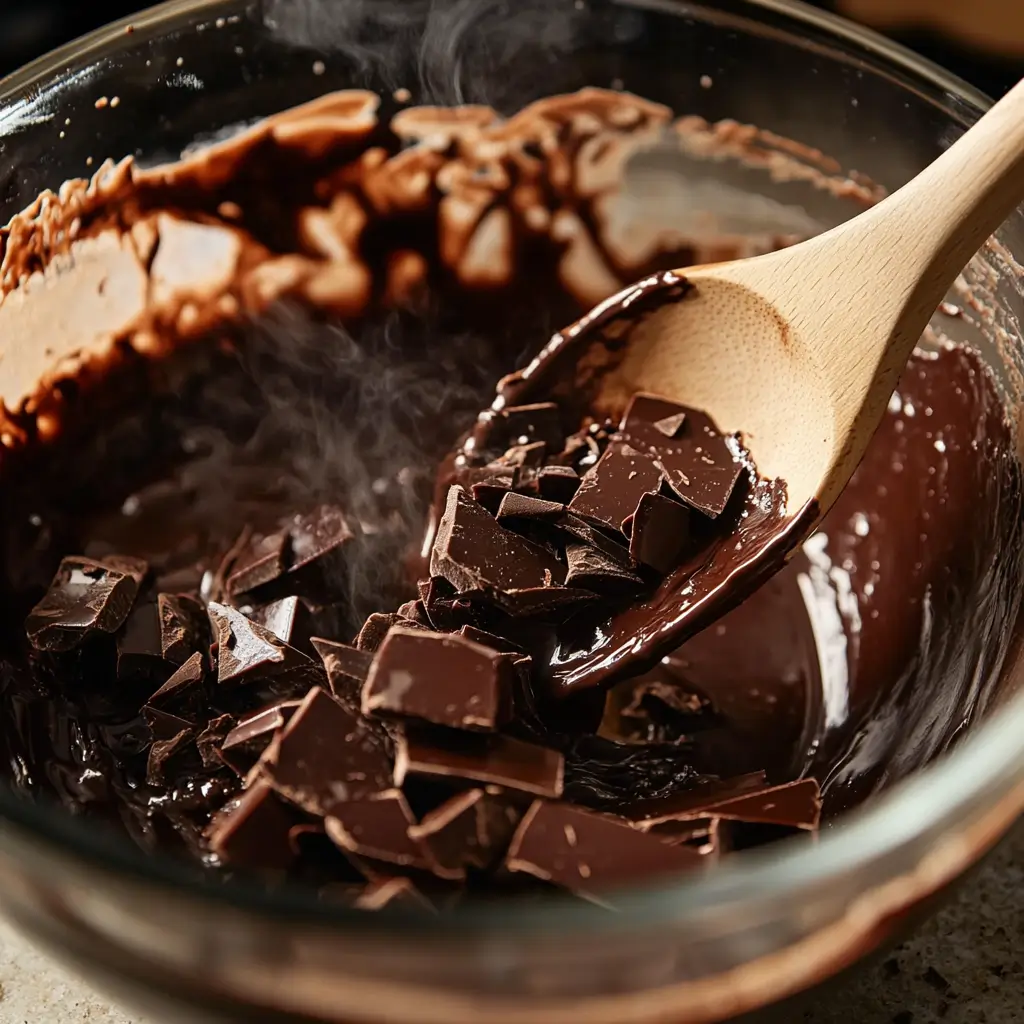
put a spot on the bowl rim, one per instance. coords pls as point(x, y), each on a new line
point(986, 764)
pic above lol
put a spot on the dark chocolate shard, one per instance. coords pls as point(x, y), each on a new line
point(489, 484)
point(591, 569)
point(415, 612)
point(441, 678)
point(558, 483)
point(610, 492)
point(85, 597)
point(327, 755)
point(498, 760)
point(347, 667)
point(690, 804)
point(496, 643)
point(184, 628)
point(162, 751)
point(162, 724)
point(588, 852)
point(794, 805)
point(377, 826)
point(139, 650)
point(183, 686)
point(375, 628)
point(318, 537)
point(478, 556)
point(281, 618)
point(646, 411)
point(250, 737)
point(247, 652)
point(253, 831)
point(659, 532)
point(525, 457)
point(446, 611)
point(393, 892)
point(516, 507)
point(471, 830)
point(209, 740)
point(525, 424)
point(259, 561)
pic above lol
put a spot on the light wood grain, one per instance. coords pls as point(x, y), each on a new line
point(801, 349)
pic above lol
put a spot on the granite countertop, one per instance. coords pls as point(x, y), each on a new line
point(965, 966)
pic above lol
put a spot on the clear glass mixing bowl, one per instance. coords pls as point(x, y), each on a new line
point(763, 927)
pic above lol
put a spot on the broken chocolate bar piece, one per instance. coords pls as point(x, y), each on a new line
point(162, 751)
point(516, 507)
point(209, 740)
point(183, 686)
point(375, 628)
point(558, 483)
point(162, 724)
point(610, 492)
point(794, 805)
point(184, 628)
point(289, 619)
point(499, 760)
point(393, 892)
point(85, 597)
point(327, 755)
point(587, 852)
point(139, 648)
point(247, 652)
point(647, 412)
point(377, 826)
point(252, 831)
point(347, 667)
point(523, 425)
point(245, 743)
point(478, 556)
point(691, 804)
point(591, 569)
point(318, 537)
point(659, 532)
point(260, 561)
point(441, 678)
point(471, 830)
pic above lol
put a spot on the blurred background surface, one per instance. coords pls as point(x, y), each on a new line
point(982, 40)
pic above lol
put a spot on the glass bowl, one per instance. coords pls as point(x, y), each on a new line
point(763, 927)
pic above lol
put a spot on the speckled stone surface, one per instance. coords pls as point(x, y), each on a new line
point(965, 966)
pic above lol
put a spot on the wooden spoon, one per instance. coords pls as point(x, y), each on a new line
point(800, 351)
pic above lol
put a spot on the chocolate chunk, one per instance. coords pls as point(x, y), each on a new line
point(794, 805)
point(525, 424)
point(377, 826)
point(659, 532)
point(586, 852)
point(346, 667)
point(515, 507)
point(327, 755)
point(249, 738)
point(446, 611)
point(161, 752)
point(184, 684)
point(558, 483)
point(489, 484)
point(162, 724)
point(209, 740)
point(184, 628)
point(591, 569)
point(495, 642)
point(253, 831)
point(139, 650)
point(611, 491)
point(393, 892)
point(500, 760)
point(525, 457)
point(280, 617)
point(85, 597)
point(375, 628)
point(260, 561)
point(441, 678)
point(646, 411)
point(319, 538)
point(691, 804)
point(477, 556)
point(471, 830)
point(248, 652)
point(414, 612)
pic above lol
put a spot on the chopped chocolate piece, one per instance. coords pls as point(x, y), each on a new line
point(500, 760)
point(447, 612)
point(496, 643)
point(591, 569)
point(795, 805)
point(587, 852)
point(471, 830)
point(183, 684)
point(162, 724)
point(279, 617)
point(558, 483)
point(526, 424)
point(691, 803)
point(254, 731)
point(377, 826)
point(416, 612)
point(441, 678)
point(525, 457)
point(161, 752)
point(659, 532)
point(489, 484)
point(209, 740)
point(375, 628)
point(327, 755)
point(318, 535)
point(645, 411)
point(478, 556)
point(515, 507)
point(184, 628)
point(261, 560)
point(253, 831)
point(611, 491)
point(139, 650)
point(246, 651)
point(393, 892)
point(85, 597)
point(346, 667)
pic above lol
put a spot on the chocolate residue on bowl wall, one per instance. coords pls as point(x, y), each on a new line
point(328, 346)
